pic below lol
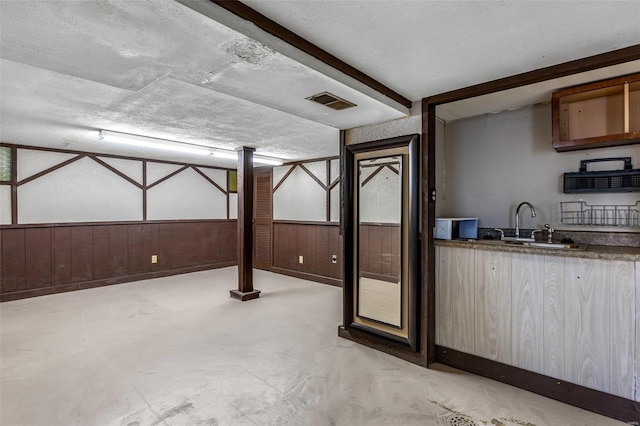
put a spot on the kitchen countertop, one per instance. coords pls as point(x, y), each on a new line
point(584, 251)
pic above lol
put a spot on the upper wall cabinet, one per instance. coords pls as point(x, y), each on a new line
point(596, 115)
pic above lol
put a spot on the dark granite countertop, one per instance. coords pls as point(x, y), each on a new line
point(583, 250)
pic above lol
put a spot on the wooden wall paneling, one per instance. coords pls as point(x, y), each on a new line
point(444, 302)
point(527, 306)
point(150, 245)
point(118, 251)
point(198, 244)
point(375, 249)
point(553, 317)
point(13, 260)
point(174, 247)
point(280, 245)
point(493, 305)
point(323, 258)
point(461, 275)
point(214, 234)
point(62, 255)
point(587, 323)
point(395, 250)
point(622, 344)
point(202, 246)
point(101, 257)
point(230, 241)
point(135, 249)
point(189, 240)
point(386, 252)
point(81, 253)
point(335, 247)
point(301, 244)
point(38, 258)
point(301, 237)
point(364, 248)
point(166, 247)
point(311, 258)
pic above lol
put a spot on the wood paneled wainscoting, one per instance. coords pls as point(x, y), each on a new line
point(316, 243)
point(380, 251)
point(46, 259)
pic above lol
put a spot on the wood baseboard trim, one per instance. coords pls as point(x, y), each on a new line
point(599, 402)
point(24, 294)
point(307, 276)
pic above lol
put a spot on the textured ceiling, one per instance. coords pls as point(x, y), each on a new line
point(423, 48)
point(192, 72)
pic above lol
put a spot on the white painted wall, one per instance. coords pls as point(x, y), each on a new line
point(5, 205)
point(187, 195)
point(299, 197)
point(493, 162)
point(85, 191)
point(381, 197)
point(404, 126)
point(79, 192)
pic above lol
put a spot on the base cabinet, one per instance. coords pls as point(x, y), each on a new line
point(573, 319)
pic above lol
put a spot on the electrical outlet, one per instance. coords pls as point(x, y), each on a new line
point(300, 259)
point(334, 258)
point(154, 258)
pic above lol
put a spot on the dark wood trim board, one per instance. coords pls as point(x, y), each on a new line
point(598, 402)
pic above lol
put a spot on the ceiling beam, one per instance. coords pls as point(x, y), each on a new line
point(614, 57)
point(259, 20)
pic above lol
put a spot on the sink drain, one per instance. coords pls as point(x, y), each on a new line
point(461, 421)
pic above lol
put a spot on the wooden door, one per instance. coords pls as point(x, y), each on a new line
point(263, 224)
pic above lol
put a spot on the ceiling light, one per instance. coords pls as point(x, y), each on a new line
point(167, 145)
point(269, 161)
point(147, 142)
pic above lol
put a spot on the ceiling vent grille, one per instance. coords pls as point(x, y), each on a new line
point(332, 101)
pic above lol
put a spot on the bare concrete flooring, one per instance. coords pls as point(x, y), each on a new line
point(180, 351)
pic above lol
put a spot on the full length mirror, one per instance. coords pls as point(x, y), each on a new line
point(381, 238)
point(379, 287)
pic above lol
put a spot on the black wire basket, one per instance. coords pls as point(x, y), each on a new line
point(625, 180)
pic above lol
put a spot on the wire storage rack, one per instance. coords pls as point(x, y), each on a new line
point(580, 213)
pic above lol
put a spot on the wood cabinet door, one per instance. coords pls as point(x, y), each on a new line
point(263, 223)
point(492, 305)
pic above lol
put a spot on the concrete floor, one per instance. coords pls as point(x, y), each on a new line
point(179, 351)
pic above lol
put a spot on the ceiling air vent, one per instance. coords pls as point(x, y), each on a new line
point(332, 101)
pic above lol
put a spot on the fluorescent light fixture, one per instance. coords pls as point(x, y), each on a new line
point(168, 145)
point(269, 161)
point(226, 154)
point(147, 142)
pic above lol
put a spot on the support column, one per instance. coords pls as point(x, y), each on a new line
point(245, 289)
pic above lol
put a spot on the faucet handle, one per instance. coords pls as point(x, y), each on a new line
point(533, 233)
point(550, 232)
point(500, 231)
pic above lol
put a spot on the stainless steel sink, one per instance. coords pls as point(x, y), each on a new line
point(554, 245)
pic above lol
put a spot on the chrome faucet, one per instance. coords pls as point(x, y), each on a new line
point(550, 232)
point(533, 214)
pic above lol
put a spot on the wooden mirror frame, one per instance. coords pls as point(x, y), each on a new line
point(413, 240)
